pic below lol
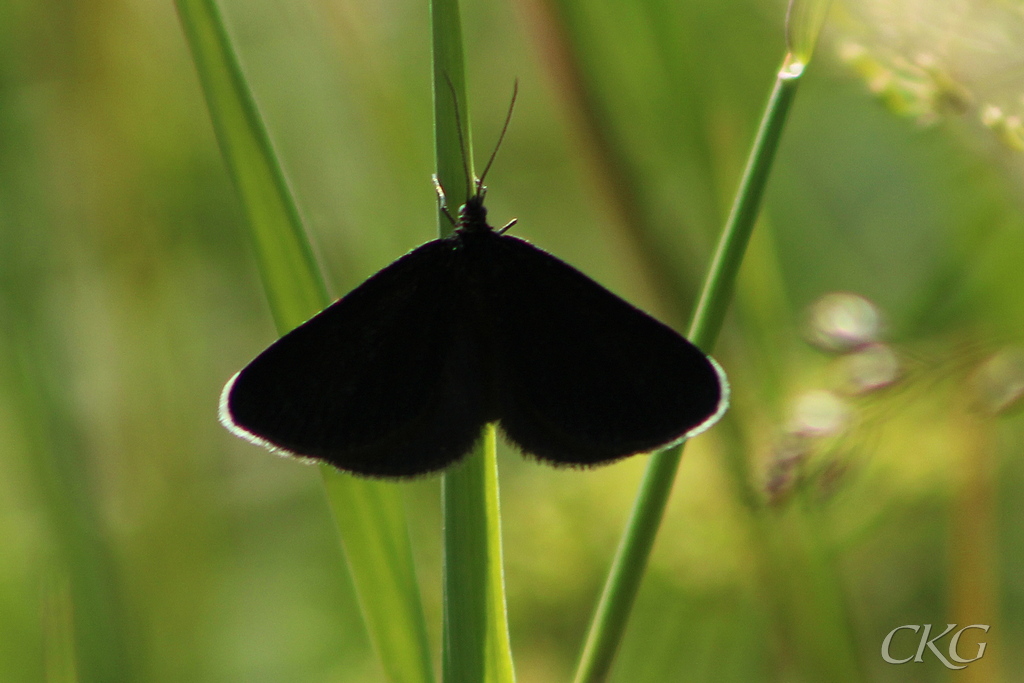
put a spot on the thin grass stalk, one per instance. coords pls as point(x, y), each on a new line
point(476, 639)
point(369, 514)
point(475, 635)
point(630, 562)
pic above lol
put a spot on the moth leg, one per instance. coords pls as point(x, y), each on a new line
point(442, 202)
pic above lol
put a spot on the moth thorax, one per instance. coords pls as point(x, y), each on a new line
point(473, 214)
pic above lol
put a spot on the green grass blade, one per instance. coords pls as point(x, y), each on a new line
point(725, 266)
point(372, 524)
point(499, 647)
point(609, 621)
point(476, 642)
point(449, 74)
point(803, 26)
point(291, 278)
point(369, 514)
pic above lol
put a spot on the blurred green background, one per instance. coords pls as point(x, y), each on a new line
point(139, 541)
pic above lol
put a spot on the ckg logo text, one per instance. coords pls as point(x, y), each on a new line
point(926, 643)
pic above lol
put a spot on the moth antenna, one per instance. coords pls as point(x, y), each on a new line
point(462, 141)
point(501, 138)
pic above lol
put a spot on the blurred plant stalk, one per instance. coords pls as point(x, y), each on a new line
point(611, 616)
point(369, 514)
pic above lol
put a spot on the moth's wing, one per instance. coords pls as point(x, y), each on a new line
point(386, 381)
point(585, 377)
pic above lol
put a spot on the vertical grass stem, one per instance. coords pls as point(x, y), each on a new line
point(630, 562)
point(475, 635)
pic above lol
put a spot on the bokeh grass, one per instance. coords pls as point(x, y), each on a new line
point(369, 514)
point(129, 294)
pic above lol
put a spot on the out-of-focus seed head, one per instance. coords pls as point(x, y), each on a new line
point(1008, 128)
point(783, 469)
point(818, 414)
point(840, 322)
point(831, 477)
point(999, 381)
point(930, 59)
point(868, 369)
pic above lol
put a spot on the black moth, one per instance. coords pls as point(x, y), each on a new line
point(398, 377)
